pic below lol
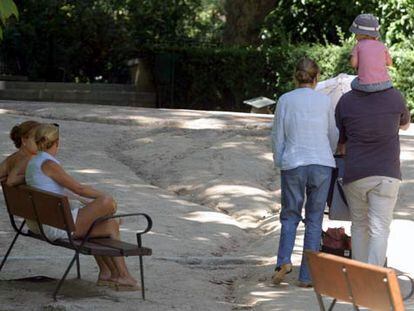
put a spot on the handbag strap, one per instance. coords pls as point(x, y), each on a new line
point(341, 192)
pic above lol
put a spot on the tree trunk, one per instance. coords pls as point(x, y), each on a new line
point(244, 19)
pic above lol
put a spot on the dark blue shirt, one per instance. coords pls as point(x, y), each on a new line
point(368, 125)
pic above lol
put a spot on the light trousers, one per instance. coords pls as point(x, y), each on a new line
point(372, 201)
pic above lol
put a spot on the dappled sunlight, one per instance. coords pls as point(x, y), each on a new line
point(203, 124)
point(144, 140)
point(406, 154)
point(267, 156)
point(239, 190)
point(88, 171)
point(402, 214)
point(201, 239)
point(212, 217)
point(232, 144)
point(266, 294)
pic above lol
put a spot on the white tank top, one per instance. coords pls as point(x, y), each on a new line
point(36, 178)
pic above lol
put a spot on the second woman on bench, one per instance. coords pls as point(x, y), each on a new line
point(45, 172)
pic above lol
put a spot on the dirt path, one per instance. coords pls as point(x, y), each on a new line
point(207, 180)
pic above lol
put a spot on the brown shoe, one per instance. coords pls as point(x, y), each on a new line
point(280, 273)
point(304, 284)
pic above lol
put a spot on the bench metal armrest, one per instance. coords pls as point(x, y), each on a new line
point(102, 219)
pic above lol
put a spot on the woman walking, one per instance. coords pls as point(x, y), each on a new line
point(304, 138)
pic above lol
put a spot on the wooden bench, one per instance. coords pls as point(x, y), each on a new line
point(361, 284)
point(47, 208)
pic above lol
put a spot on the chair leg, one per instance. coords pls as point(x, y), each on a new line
point(11, 246)
point(64, 277)
point(78, 266)
point(320, 301)
point(141, 269)
point(332, 305)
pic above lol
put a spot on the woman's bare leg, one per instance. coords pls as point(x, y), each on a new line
point(100, 207)
point(107, 269)
point(116, 265)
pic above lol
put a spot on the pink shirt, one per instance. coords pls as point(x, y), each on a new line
point(372, 60)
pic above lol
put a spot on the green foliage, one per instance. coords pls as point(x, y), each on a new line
point(315, 21)
point(402, 73)
point(397, 21)
point(221, 78)
point(320, 21)
point(170, 21)
point(91, 40)
point(59, 40)
point(7, 9)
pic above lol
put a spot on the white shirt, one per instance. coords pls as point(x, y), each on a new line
point(304, 130)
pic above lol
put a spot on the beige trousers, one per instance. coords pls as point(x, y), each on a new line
point(372, 201)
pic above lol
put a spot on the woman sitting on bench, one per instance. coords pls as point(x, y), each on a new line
point(44, 172)
point(12, 168)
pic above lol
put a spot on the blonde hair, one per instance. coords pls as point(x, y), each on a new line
point(22, 130)
point(362, 37)
point(307, 70)
point(46, 135)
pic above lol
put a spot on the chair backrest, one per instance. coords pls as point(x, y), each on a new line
point(51, 209)
point(18, 202)
point(352, 281)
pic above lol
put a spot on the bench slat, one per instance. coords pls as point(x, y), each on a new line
point(116, 244)
point(100, 248)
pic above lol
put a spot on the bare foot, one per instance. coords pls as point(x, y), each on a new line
point(107, 277)
point(127, 280)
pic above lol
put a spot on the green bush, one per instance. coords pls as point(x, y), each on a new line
point(401, 73)
point(212, 78)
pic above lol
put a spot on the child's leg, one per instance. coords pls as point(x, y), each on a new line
point(370, 88)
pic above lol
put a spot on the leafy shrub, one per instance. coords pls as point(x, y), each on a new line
point(401, 73)
point(212, 78)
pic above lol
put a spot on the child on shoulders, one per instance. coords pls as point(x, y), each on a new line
point(370, 56)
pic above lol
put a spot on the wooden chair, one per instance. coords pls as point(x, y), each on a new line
point(361, 284)
point(46, 208)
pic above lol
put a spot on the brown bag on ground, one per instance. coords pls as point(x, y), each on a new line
point(336, 241)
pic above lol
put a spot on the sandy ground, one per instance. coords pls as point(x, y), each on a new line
point(208, 182)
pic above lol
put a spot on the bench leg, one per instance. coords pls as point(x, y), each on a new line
point(64, 276)
point(78, 266)
point(141, 270)
point(320, 301)
point(141, 267)
point(11, 245)
point(332, 305)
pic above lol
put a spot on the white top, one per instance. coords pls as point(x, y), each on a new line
point(36, 178)
point(304, 130)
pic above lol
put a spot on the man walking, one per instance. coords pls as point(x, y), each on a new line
point(368, 126)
